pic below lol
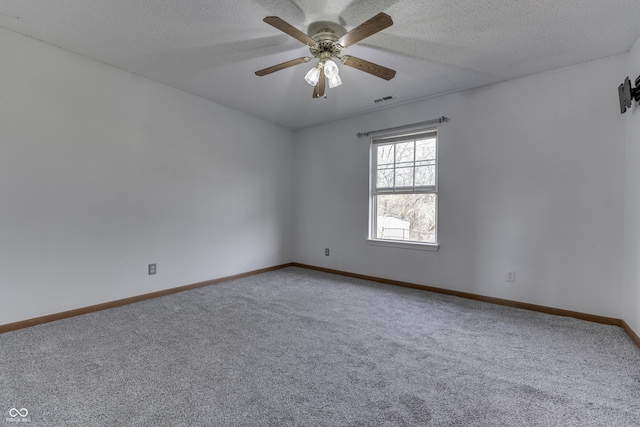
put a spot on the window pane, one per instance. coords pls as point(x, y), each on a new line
point(404, 177)
point(404, 152)
point(385, 155)
point(407, 217)
point(426, 175)
point(384, 178)
point(425, 162)
point(426, 149)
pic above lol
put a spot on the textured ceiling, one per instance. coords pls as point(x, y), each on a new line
point(212, 48)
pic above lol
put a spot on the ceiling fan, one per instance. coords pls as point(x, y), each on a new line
point(326, 43)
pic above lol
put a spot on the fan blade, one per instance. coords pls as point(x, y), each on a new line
point(369, 67)
point(282, 66)
point(287, 28)
point(318, 91)
point(366, 29)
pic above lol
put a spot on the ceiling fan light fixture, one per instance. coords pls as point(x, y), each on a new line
point(335, 81)
point(330, 69)
point(313, 76)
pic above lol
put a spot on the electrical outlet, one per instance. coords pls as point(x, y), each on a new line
point(511, 276)
point(326, 251)
point(152, 269)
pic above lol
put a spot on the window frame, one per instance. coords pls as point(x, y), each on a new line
point(394, 138)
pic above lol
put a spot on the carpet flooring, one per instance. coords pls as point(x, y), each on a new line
point(296, 347)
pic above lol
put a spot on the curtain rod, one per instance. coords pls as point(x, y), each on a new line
point(412, 125)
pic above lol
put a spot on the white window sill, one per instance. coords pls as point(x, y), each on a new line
point(433, 247)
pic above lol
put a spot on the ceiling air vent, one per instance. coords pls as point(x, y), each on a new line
point(386, 98)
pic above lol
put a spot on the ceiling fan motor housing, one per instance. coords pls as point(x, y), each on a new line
point(325, 40)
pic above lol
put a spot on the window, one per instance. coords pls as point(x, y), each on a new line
point(404, 191)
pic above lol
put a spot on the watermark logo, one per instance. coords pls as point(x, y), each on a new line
point(18, 416)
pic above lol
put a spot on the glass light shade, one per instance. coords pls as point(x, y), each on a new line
point(335, 81)
point(330, 69)
point(313, 76)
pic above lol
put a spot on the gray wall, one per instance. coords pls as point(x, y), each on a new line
point(632, 206)
point(103, 172)
point(531, 179)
